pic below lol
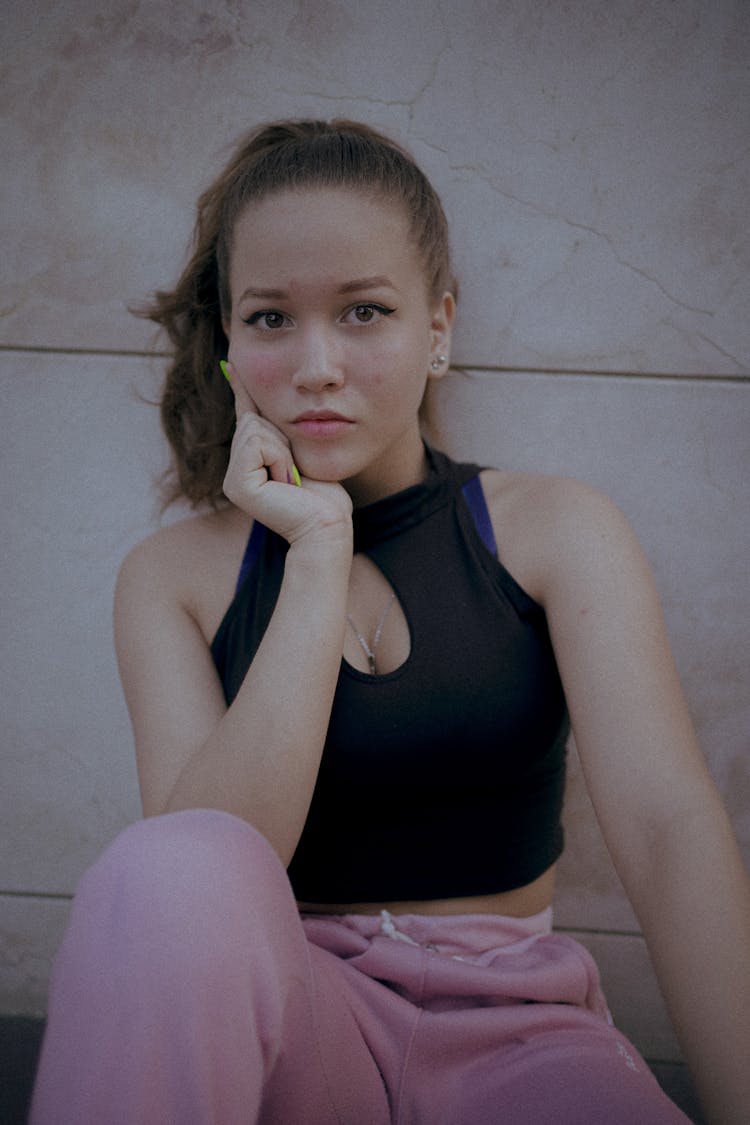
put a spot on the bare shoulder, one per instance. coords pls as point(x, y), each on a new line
point(191, 564)
point(543, 495)
point(550, 529)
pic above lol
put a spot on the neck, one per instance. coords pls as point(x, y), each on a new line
point(393, 473)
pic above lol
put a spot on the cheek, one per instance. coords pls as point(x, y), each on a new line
point(387, 366)
point(258, 372)
point(265, 376)
point(399, 373)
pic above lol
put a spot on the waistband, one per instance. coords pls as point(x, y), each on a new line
point(457, 935)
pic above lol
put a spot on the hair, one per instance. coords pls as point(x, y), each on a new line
point(197, 407)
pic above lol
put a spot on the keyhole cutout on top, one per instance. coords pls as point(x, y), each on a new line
point(372, 604)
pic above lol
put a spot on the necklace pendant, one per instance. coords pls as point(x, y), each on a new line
point(370, 652)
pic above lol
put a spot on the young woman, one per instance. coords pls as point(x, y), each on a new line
point(350, 689)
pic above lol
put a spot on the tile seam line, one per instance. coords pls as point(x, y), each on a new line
point(596, 373)
point(42, 349)
point(462, 368)
point(597, 931)
point(54, 896)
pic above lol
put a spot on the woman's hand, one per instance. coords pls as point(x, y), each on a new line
point(260, 480)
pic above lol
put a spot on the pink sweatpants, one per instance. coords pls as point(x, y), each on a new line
point(188, 991)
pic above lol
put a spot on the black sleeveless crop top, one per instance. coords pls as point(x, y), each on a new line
point(445, 777)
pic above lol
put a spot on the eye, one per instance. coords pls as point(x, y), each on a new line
point(369, 312)
point(267, 319)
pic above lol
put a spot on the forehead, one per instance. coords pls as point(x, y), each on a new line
point(332, 230)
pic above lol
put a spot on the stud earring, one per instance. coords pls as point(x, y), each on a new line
point(438, 363)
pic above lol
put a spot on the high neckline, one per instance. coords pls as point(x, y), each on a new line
point(393, 514)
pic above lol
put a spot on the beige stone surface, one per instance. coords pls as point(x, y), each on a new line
point(594, 163)
point(593, 160)
point(31, 930)
point(79, 452)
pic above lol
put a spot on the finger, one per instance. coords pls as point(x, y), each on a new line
point(259, 443)
point(279, 464)
point(243, 404)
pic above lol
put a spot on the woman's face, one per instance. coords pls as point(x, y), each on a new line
point(332, 333)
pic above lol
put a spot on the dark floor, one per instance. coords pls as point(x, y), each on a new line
point(21, 1036)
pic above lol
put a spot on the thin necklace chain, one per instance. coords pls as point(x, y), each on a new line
point(368, 651)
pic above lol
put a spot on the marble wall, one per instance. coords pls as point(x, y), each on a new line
point(593, 159)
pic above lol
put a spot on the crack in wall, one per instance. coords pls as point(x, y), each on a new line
point(556, 217)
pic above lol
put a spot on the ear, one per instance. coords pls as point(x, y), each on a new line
point(441, 329)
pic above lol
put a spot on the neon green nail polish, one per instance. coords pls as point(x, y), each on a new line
point(224, 370)
point(296, 476)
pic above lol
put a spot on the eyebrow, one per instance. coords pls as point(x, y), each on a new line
point(366, 283)
point(357, 285)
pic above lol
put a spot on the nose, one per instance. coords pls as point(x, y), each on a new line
point(319, 366)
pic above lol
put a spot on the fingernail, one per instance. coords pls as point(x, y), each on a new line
point(295, 474)
point(225, 370)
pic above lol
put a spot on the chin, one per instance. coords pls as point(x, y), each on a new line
point(326, 467)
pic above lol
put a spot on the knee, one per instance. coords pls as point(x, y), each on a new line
point(184, 865)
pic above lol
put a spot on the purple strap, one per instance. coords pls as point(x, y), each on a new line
point(477, 504)
point(254, 544)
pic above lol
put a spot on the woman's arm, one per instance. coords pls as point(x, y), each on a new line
point(659, 811)
point(259, 758)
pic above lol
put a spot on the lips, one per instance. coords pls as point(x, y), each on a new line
point(321, 423)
